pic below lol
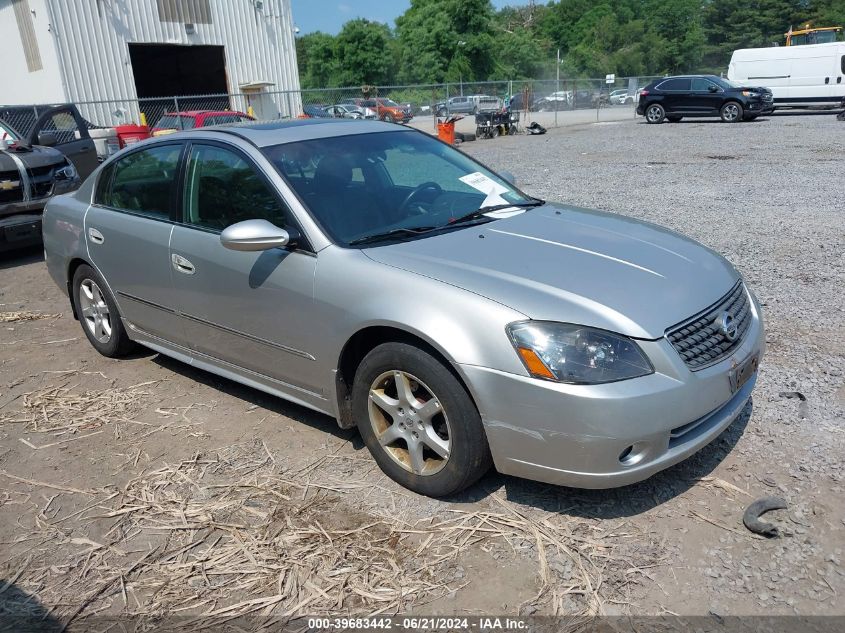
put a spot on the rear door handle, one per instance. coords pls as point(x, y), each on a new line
point(96, 236)
point(182, 265)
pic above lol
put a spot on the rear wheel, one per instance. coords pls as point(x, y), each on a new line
point(98, 314)
point(731, 112)
point(418, 421)
point(655, 113)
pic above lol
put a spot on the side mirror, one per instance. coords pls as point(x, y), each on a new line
point(255, 235)
point(713, 88)
point(508, 176)
point(46, 138)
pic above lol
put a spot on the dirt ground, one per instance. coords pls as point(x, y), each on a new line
point(146, 486)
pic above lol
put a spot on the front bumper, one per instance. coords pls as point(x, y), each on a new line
point(23, 229)
point(578, 435)
point(760, 107)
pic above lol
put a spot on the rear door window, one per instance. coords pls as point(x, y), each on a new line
point(675, 85)
point(143, 182)
point(700, 84)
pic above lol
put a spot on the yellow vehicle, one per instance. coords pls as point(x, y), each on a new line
point(810, 35)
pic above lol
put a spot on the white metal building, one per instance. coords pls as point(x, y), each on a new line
point(118, 51)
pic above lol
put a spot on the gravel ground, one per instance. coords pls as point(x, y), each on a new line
point(766, 194)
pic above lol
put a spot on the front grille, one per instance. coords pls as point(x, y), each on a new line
point(700, 340)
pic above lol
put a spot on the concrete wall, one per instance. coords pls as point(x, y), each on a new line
point(85, 42)
point(19, 85)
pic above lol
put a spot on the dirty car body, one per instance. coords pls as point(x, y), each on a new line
point(594, 349)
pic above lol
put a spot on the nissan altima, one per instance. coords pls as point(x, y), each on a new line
point(377, 275)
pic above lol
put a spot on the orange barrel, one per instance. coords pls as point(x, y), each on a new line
point(446, 132)
point(131, 133)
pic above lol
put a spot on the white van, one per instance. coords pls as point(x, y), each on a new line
point(798, 76)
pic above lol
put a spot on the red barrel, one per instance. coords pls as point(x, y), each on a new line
point(131, 133)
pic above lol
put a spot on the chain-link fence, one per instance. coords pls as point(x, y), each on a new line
point(544, 101)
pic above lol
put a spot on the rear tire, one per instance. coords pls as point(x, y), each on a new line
point(655, 114)
point(731, 112)
point(98, 314)
point(418, 421)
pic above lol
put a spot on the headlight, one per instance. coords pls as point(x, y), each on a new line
point(68, 172)
point(576, 354)
point(748, 93)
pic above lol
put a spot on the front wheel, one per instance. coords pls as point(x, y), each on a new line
point(98, 314)
point(731, 112)
point(655, 113)
point(418, 421)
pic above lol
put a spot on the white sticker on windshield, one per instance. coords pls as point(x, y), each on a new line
point(491, 189)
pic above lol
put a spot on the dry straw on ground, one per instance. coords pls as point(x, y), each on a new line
point(25, 315)
point(62, 409)
point(231, 534)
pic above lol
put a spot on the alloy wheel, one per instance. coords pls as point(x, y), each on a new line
point(654, 114)
point(409, 422)
point(95, 310)
point(731, 112)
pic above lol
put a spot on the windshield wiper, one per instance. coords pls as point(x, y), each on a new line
point(392, 233)
point(483, 211)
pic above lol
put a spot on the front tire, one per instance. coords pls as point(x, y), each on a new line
point(731, 112)
point(655, 114)
point(98, 314)
point(418, 421)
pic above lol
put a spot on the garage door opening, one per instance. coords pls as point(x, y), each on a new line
point(166, 70)
point(173, 70)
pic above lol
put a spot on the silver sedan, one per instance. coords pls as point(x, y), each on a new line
point(370, 272)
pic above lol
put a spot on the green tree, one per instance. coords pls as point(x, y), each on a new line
point(445, 40)
point(756, 23)
point(315, 54)
point(363, 53)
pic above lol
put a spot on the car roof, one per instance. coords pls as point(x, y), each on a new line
point(266, 133)
point(687, 77)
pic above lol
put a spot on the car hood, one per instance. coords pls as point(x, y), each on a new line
point(573, 265)
point(33, 156)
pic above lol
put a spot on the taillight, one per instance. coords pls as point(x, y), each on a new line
point(643, 92)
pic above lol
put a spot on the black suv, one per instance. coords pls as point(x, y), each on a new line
point(673, 98)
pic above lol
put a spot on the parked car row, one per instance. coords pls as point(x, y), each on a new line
point(468, 104)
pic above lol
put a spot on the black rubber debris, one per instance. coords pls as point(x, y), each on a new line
point(752, 515)
point(802, 405)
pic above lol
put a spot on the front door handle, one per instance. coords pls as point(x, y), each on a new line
point(182, 265)
point(96, 236)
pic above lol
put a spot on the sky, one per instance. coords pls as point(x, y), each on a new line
point(328, 16)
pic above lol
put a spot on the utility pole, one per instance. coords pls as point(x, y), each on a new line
point(557, 87)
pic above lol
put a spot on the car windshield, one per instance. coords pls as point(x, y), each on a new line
point(402, 184)
point(389, 103)
point(177, 122)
